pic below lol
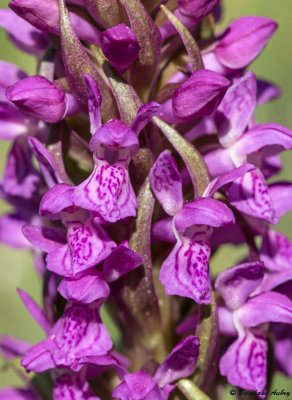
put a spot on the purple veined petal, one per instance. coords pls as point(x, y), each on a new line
point(94, 103)
point(180, 363)
point(266, 307)
point(20, 177)
point(13, 347)
point(231, 176)
point(245, 362)
point(17, 394)
point(10, 73)
point(137, 386)
point(89, 244)
point(79, 333)
point(84, 288)
point(280, 193)
point(72, 387)
point(107, 191)
point(236, 109)
point(282, 348)
point(243, 40)
point(46, 161)
point(165, 181)
point(235, 284)
point(163, 230)
point(115, 134)
point(250, 194)
point(35, 311)
point(144, 115)
point(276, 251)
point(59, 261)
point(200, 95)
point(272, 138)
point(57, 199)
point(39, 357)
point(266, 92)
point(39, 97)
point(22, 33)
point(226, 324)
point(45, 237)
point(11, 231)
point(203, 211)
point(121, 260)
point(185, 272)
point(120, 46)
point(218, 162)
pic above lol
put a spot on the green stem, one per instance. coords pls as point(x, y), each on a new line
point(190, 390)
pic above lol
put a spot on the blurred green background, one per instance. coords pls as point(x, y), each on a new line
point(274, 64)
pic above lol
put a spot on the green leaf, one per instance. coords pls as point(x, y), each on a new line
point(189, 154)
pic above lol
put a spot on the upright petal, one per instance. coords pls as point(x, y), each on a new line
point(245, 362)
point(94, 103)
point(236, 109)
point(235, 284)
point(180, 363)
point(244, 39)
point(165, 181)
point(185, 272)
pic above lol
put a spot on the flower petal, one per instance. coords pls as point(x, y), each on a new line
point(276, 251)
point(13, 347)
point(45, 237)
point(165, 181)
point(180, 363)
point(94, 103)
point(235, 284)
point(245, 362)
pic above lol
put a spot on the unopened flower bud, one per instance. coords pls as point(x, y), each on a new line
point(39, 97)
point(120, 46)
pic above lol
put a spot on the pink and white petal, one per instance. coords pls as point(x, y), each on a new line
point(13, 347)
point(236, 109)
point(94, 103)
point(45, 237)
point(245, 362)
point(203, 211)
point(276, 251)
point(60, 261)
point(144, 115)
point(121, 260)
point(266, 307)
point(89, 244)
point(165, 181)
point(180, 363)
point(185, 272)
point(57, 199)
point(84, 288)
point(226, 324)
point(11, 231)
point(235, 284)
point(35, 311)
point(79, 333)
point(250, 194)
point(107, 191)
point(222, 180)
point(272, 138)
point(281, 193)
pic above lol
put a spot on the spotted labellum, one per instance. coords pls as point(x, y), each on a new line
point(135, 156)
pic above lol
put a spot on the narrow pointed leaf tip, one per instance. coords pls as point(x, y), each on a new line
point(244, 39)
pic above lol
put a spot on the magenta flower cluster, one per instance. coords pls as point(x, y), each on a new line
point(135, 155)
